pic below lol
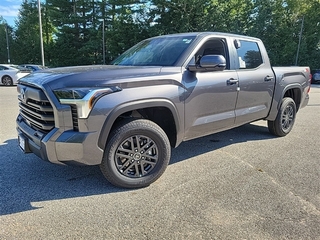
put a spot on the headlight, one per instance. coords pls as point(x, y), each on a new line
point(83, 98)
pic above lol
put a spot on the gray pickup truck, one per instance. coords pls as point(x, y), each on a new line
point(127, 116)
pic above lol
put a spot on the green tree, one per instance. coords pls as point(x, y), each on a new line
point(310, 39)
point(278, 23)
point(5, 41)
point(75, 40)
point(80, 29)
point(127, 25)
point(73, 29)
point(27, 39)
point(201, 15)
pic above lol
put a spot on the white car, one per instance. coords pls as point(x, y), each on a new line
point(10, 74)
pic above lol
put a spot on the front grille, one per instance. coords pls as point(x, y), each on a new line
point(36, 109)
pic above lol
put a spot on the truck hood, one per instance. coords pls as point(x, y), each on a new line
point(93, 76)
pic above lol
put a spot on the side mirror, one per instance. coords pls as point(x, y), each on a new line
point(209, 63)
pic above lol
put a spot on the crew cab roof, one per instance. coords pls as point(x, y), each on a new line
point(204, 34)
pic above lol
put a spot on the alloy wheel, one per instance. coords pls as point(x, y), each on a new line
point(136, 156)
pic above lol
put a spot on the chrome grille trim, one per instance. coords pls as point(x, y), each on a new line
point(36, 110)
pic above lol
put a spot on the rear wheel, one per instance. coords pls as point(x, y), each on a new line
point(136, 155)
point(7, 80)
point(284, 122)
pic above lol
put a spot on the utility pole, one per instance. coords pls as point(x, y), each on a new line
point(103, 43)
point(300, 35)
point(6, 28)
point(40, 27)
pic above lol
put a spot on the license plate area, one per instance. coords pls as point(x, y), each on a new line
point(22, 143)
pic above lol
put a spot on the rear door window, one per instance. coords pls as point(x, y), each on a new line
point(249, 55)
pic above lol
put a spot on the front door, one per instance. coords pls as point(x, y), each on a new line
point(210, 102)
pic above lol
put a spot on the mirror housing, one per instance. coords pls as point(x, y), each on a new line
point(209, 63)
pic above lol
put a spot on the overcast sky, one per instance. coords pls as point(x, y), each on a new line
point(9, 10)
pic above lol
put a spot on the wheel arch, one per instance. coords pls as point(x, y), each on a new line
point(168, 121)
point(293, 91)
point(6, 75)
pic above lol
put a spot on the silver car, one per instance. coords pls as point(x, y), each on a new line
point(10, 74)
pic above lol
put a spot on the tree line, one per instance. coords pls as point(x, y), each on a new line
point(75, 32)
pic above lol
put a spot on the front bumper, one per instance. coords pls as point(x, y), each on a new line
point(66, 147)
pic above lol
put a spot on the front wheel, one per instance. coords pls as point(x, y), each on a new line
point(283, 124)
point(7, 80)
point(136, 155)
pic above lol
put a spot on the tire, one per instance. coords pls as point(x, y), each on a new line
point(286, 116)
point(7, 80)
point(128, 164)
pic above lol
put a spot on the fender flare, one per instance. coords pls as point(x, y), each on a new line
point(130, 106)
point(277, 100)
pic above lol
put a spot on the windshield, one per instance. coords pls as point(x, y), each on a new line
point(163, 51)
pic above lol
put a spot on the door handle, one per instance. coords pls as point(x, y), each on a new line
point(232, 81)
point(268, 78)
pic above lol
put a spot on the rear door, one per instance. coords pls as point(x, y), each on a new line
point(256, 82)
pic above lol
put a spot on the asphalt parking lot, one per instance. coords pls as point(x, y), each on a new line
point(239, 184)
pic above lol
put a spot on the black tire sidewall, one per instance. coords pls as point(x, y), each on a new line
point(285, 103)
point(124, 131)
point(7, 78)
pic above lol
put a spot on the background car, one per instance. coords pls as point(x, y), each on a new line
point(10, 74)
point(315, 76)
point(32, 67)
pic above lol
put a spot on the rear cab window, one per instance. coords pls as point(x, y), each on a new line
point(249, 55)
